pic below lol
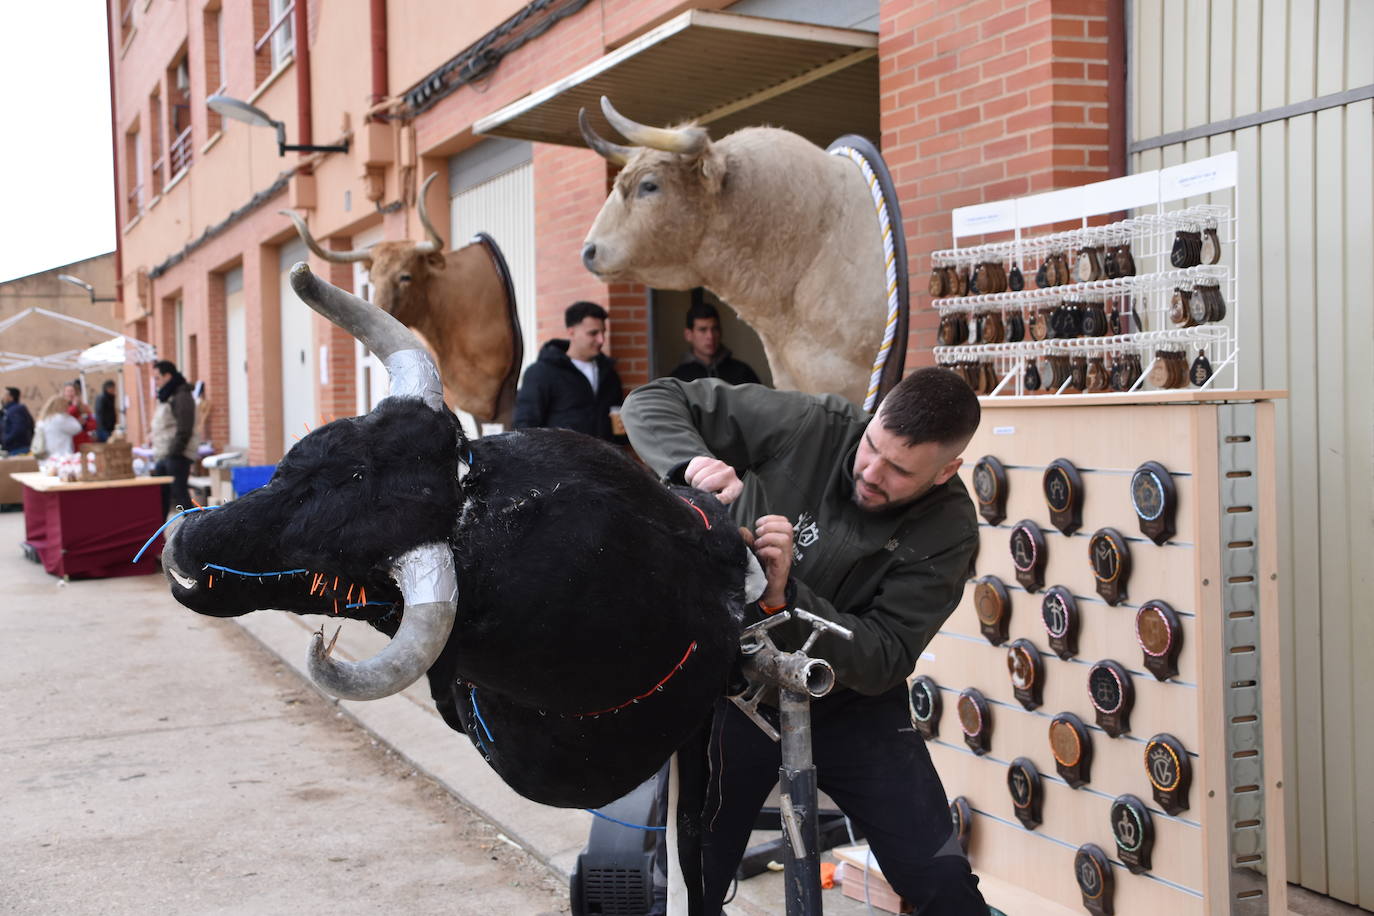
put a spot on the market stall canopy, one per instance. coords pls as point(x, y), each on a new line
point(721, 70)
point(116, 352)
point(66, 359)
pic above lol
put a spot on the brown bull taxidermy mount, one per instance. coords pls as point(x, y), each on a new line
point(462, 303)
point(779, 228)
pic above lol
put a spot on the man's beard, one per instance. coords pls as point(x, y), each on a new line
point(887, 505)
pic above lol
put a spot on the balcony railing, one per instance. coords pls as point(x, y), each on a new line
point(277, 43)
point(179, 154)
point(157, 175)
point(135, 201)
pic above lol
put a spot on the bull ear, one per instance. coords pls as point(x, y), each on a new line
point(436, 260)
point(711, 166)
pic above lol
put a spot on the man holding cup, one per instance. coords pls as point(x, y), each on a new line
point(573, 385)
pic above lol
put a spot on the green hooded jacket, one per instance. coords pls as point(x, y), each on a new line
point(891, 577)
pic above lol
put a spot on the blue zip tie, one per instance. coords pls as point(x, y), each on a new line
point(369, 604)
point(165, 524)
point(252, 575)
point(472, 695)
point(616, 820)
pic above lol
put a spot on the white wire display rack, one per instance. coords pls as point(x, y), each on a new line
point(1142, 328)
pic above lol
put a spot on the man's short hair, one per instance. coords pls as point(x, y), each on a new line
point(580, 311)
point(699, 310)
point(14, 393)
point(932, 405)
point(165, 366)
point(109, 383)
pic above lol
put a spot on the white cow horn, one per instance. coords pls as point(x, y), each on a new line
point(430, 586)
point(435, 241)
point(685, 140)
point(412, 370)
point(613, 152)
point(338, 257)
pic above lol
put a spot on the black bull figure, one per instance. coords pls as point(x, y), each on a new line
point(575, 617)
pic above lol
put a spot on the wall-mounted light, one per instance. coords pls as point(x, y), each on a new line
point(240, 110)
point(90, 290)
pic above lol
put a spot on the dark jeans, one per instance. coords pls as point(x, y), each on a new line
point(873, 765)
point(177, 493)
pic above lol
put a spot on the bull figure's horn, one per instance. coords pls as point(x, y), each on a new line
point(613, 152)
point(685, 140)
point(338, 257)
point(430, 586)
point(435, 242)
point(412, 370)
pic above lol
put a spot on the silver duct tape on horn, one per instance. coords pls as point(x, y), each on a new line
point(415, 374)
point(429, 583)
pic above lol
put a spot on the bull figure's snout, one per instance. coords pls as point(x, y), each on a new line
point(589, 256)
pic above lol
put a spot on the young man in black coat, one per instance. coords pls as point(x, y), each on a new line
point(16, 423)
point(573, 385)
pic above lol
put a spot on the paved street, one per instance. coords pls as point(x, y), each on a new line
point(156, 761)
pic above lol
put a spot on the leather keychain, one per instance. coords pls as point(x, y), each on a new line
point(1015, 282)
point(937, 283)
point(1097, 374)
point(1052, 270)
point(1094, 320)
point(1200, 306)
point(1039, 324)
point(1031, 380)
point(1201, 370)
point(1078, 373)
point(1109, 265)
point(1016, 327)
point(1124, 262)
point(1211, 246)
point(1042, 278)
point(994, 331)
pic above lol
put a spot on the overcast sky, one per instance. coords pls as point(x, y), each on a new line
point(56, 175)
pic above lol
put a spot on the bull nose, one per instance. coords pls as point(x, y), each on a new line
point(589, 255)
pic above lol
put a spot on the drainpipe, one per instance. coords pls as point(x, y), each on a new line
point(304, 126)
point(110, 22)
point(379, 62)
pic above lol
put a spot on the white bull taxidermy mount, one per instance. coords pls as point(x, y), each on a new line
point(783, 231)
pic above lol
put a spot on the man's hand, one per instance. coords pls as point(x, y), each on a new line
point(773, 546)
point(715, 477)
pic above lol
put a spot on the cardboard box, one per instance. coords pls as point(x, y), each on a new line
point(856, 869)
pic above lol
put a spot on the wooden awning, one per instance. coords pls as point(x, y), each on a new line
point(721, 70)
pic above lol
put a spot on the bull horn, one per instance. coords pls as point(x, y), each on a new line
point(435, 241)
point(612, 152)
point(338, 257)
point(430, 586)
point(411, 368)
point(685, 140)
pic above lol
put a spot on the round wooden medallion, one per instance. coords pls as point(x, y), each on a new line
point(1107, 687)
point(1065, 742)
point(1164, 764)
point(970, 713)
point(1156, 628)
point(990, 600)
point(1020, 666)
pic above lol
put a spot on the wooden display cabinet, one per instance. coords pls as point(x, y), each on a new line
point(1225, 852)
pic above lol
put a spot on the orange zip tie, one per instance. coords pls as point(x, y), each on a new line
point(315, 583)
point(336, 605)
point(336, 584)
point(196, 504)
point(349, 597)
point(362, 595)
point(212, 581)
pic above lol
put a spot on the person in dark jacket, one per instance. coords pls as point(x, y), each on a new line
point(106, 412)
point(863, 521)
point(573, 385)
point(174, 420)
point(706, 356)
point(16, 424)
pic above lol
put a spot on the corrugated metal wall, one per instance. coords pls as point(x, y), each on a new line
point(1306, 324)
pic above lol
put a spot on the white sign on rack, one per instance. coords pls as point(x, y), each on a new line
point(1216, 173)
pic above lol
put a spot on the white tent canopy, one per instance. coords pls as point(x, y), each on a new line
point(115, 352)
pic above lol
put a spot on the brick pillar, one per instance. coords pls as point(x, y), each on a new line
point(983, 100)
point(340, 397)
point(569, 188)
point(215, 358)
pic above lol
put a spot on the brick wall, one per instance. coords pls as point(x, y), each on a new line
point(340, 397)
point(983, 100)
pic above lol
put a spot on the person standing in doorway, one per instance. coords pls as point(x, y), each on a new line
point(706, 356)
point(573, 385)
point(16, 423)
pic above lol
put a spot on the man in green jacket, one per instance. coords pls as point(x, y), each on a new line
point(862, 521)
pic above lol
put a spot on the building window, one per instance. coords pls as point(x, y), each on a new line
point(133, 172)
point(211, 25)
point(179, 115)
point(155, 140)
point(272, 23)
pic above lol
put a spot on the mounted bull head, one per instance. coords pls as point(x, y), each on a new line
point(575, 618)
point(462, 302)
point(784, 232)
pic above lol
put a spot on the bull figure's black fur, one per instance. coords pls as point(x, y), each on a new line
point(583, 584)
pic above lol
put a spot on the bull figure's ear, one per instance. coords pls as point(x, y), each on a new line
point(436, 260)
point(711, 166)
